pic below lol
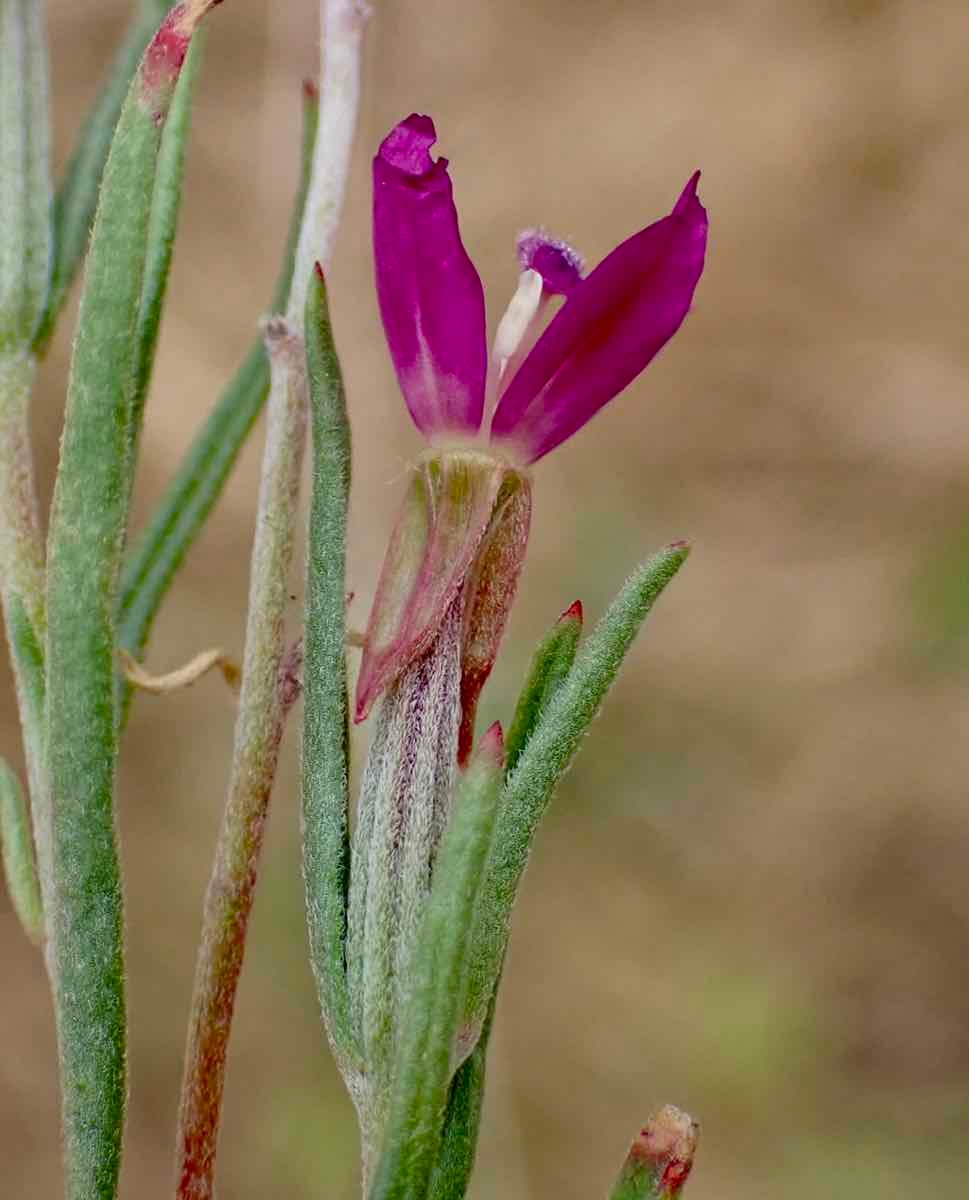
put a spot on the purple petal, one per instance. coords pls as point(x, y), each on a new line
point(609, 329)
point(560, 266)
point(431, 299)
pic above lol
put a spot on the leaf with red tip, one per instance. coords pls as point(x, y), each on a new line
point(444, 518)
point(490, 593)
point(165, 55)
point(548, 670)
point(547, 753)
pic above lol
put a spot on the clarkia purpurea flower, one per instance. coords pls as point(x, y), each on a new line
point(613, 324)
point(486, 417)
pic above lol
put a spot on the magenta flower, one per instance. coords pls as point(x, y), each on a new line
point(461, 536)
point(612, 325)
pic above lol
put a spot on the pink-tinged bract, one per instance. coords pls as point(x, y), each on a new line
point(445, 516)
point(490, 591)
point(611, 327)
point(430, 295)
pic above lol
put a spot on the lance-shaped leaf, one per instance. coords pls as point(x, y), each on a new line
point(19, 865)
point(189, 499)
point(446, 513)
point(462, 1120)
point(77, 196)
point(546, 755)
point(325, 773)
point(24, 271)
point(165, 207)
point(660, 1159)
point(88, 521)
point(24, 172)
point(491, 589)
point(547, 671)
point(438, 983)
point(22, 573)
point(28, 656)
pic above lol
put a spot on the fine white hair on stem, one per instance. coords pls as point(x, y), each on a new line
point(342, 24)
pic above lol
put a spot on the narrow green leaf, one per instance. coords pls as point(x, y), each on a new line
point(182, 512)
point(325, 770)
point(25, 193)
point(88, 521)
point(438, 984)
point(22, 567)
point(546, 756)
point(547, 671)
point(77, 196)
point(459, 1139)
point(25, 248)
point(660, 1159)
point(28, 657)
point(19, 865)
point(165, 206)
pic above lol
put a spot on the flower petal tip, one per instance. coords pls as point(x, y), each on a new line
point(689, 200)
point(408, 145)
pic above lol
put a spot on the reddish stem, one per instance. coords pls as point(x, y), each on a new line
point(228, 904)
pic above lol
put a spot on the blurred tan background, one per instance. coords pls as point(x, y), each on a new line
point(750, 897)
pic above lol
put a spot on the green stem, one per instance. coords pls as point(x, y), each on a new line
point(259, 728)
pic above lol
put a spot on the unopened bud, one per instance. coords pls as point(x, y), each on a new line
point(660, 1159)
